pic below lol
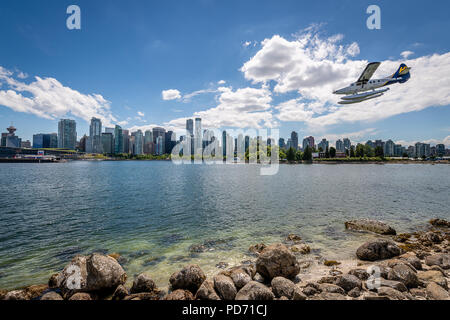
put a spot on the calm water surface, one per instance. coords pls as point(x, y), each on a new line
point(152, 213)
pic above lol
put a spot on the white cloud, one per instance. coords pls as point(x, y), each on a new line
point(189, 96)
point(246, 44)
point(355, 137)
point(221, 82)
point(171, 94)
point(242, 108)
point(406, 54)
point(313, 67)
point(48, 98)
point(141, 114)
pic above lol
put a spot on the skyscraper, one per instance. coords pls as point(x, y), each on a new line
point(294, 140)
point(95, 136)
point(138, 142)
point(170, 141)
point(324, 144)
point(189, 127)
point(67, 134)
point(12, 141)
point(118, 140)
point(281, 143)
point(107, 142)
point(160, 132)
point(308, 141)
point(440, 150)
point(198, 136)
point(126, 141)
point(347, 144)
point(389, 148)
point(148, 142)
point(340, 146)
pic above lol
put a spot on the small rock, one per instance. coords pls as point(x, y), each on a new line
point(397, 285)
point(53, 281)
point(440, 223)
point(17, 295)
point(277, 260)
point(332, 288)
point(378, 250)
point(348, 282)
point(221, 265)
point(225, 287)
point(52, 295)
point(206, 291)
point(331, 296)
point(401, 272)
point(391, 293)
point(35, 291)
point(418, 292)
point(415, 262)
point(180, 294)
point(120, 293)
point(143, 296)
point(282, 287)
point(370, 225)
point(294, 238)
point(355, 292)
point(442, 260)
point(189, 278)
point(257, 248)
point(361, 274)
point(81, 296)
point(436, 292)
point(254, 291)
point(301, 248)
point(298, 294)
point(431, 237)
point(240, 277)
point(143, 283)
point(433, 276)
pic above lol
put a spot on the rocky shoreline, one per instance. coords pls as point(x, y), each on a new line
point(408, 266)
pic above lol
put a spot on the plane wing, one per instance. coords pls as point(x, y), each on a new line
point(368, 72)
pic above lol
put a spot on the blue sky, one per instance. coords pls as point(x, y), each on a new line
point(129, 52)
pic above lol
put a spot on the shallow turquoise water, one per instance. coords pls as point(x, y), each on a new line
point(152, 212)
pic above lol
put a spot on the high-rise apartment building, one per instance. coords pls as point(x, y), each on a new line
point(67, 134)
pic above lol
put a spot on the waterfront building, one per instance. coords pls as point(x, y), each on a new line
point(294, 140)
point(159, 145)
point(440, 150)
point(246, 143)
point(370, 144)
point(95, 136)
point(25, 144)
point(67, 134)
point(118, 140)
point(126, 141)
point(398, 150)
point(148, 142)
point(324, 144)
point(289, 144)
point(281, 143)
point(45, 140)
point(347, 144)
point(107, 142)
point(339, 146)
point(110, 130)
point(170, 140)
point(159, 132)
point(198, 136)
point(82, 144)
point(389, 147)
point(309, 142)
point(138, 143)
point(421, 150)
point(11, 140)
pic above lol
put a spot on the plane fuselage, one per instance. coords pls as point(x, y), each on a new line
point(369, 85)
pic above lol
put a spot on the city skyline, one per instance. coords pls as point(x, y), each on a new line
point(158, 141)
point(227, 82)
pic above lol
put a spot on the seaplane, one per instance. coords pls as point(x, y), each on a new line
point(365, 88)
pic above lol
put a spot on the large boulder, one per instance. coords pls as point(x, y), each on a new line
point(81, 296)
point(207, 291)
point(190, 278)
point(282, 287)
point(254, 291)
point(397, 285)
point(96, 272)
point(142, 283)
point(370, 225)
point(391, 293)
point(378, 250)
point(403, 273)
point(277, 261)
point(225, 287)
point(17, 295)
point(240, 277)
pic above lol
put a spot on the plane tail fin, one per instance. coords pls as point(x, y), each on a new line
point(402, 73)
